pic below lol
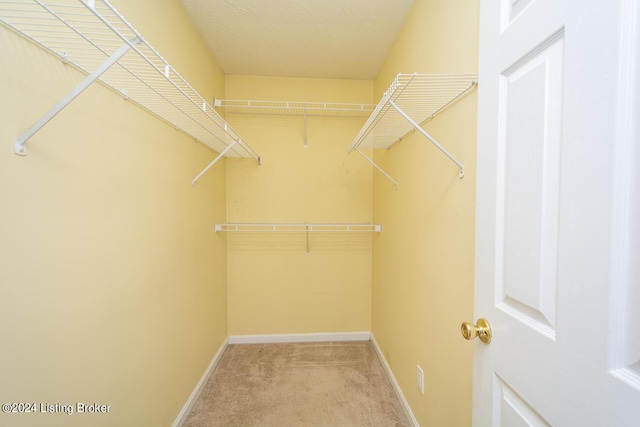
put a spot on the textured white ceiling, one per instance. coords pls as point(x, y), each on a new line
point(299, 38)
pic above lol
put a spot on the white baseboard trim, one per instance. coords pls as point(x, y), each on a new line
point(394, 383)
point(284, 338)
point(186, 409)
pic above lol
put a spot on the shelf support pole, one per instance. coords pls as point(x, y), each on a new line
point(305, 127)
point(21, 142)
point(193, 182)
point(395, 183)
point(429, 137)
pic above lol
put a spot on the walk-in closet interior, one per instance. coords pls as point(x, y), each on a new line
point(157, 207)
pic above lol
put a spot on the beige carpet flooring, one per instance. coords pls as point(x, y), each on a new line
point(303, 384)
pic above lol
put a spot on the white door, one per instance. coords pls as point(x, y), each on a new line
point(558, 214)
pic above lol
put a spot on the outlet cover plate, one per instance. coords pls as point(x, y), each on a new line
point(420, 379)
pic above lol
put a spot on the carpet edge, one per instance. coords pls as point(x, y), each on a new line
point(394, 383)
point(195, 394)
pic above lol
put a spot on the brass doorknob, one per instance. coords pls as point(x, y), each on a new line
point(481, 329)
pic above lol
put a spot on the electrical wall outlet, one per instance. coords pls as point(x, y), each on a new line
point(420, 379)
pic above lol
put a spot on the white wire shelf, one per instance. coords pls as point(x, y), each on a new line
point(92, 36)
point(266, 227)
point(410, 101)
point(257, 227)
point(294, 108)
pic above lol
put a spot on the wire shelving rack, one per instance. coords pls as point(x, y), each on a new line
point(93, 37)
point(294, 108)
point(410, 101)
point(273, 227)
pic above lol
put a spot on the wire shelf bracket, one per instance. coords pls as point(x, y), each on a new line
point(410, 101)
point(21, 141)
point(250, 227)
point(295, 108)
point(95, 38)
point(375, 165)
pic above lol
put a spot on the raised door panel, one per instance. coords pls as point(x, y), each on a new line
point(511, 9)
point(530, 105)
point(511, 409)
point(625, 308)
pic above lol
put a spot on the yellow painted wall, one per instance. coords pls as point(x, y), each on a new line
point(274, 286)
point(112, 281)
point(423, 262)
